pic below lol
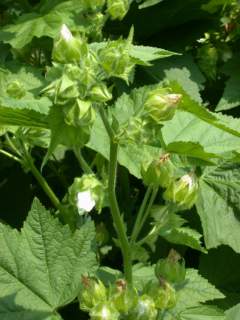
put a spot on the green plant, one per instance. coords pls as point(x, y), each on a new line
point(120, 142)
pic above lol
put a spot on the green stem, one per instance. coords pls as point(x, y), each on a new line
point(83, 164)
point(163, 144)
point(140, 214)
point(9, 155)
point(147, 212)
point(43, 183)
point(117, 219)
point(115, 211)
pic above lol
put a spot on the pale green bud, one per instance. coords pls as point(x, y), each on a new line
point(117, 8)
point(104, 311)
point(159, 172)
point(183, 191)
point(93, 293)
point(94, 4)
point(86, 193)
point(172, 268)
point(164, 295)
point(145, 309)
point(80, 113)
point(115, 59)
point(161, 105)
point(124, 299)
point(67, 48)
point(16, 90)
point(100, 93)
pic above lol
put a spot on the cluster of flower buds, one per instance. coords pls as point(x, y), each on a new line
point(183, 191)
point(161, 104)
point(86, 193)
point(119, 301)
point(16, 90)
point(117, 9)
point(159, 172)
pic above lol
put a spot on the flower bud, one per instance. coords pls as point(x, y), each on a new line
point(86, 193)
point(159, 172)
point(100, 93)
point(161, 105)
point(183, 191)
point(67, 49)
point(93, 293)
point(124, 299)
point(145, 309)
point(94, 4)
point(164, 295)
point(104, 311)
point(16, 90)
point(80, 113)
point(115, 59)
point(172, 268)
point(117, 8)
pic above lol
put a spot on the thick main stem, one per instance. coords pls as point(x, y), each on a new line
point(117, 219)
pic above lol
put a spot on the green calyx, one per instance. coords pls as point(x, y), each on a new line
point(183, 192)
point(171, 269)
point(161, 104)
point(93, 292)
point(117, 9)
point(159, 172)
point(79, 113)
point(144, 310)
point(104, 311)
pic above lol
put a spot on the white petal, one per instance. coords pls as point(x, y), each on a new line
point(85, 201)
point(66, 33)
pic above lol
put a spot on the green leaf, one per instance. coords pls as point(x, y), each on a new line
point(142, 274)
point(146, 54)
point(231, 95)
point(149, 3)
point(190, 149)
point(218, 206)
point(194, 291)
point(214, 5)
point(203, 313)
point(42, 265)
point(233, 313)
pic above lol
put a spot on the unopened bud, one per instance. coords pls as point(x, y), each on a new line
point(159, 172)
point(16, 90)
point(100, 93)
point(183, 191)
point(163, 294)
point(104, 311)
point(161, 105)
point(117, 8)
point(145, 309)
point(93, 293)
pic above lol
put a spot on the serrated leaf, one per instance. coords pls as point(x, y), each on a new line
point(42, 265)
point(142, 274)
point(146, 54)
point(196, 287)
point(231, 96)
point(233, 313)
point(185, 127)
point(203, 313)
point(218, 206)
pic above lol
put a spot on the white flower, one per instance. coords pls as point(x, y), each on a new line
point(188, 180)
point(66, 33)
point(85, 201)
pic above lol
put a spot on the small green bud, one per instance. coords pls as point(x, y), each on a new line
point(104, 311)
point(183, 191)
point(159, 172)
point(145, 309)
point(16, 90)
point(94, 4)
point(100, 93)
point(93, 293)
point(86, 193)
point(67, 48)
point(164, 295)
point(172, 268)
point(161, 105)
point(117, 8)
point(124, 299)
point(80, 113)
point(115, 59)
